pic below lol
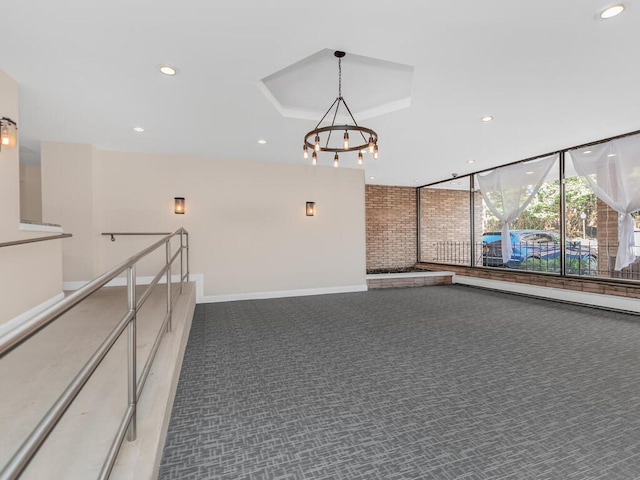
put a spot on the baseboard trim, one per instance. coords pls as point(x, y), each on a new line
point(122, 282)
point(24, 316)
point(610, 302)
point(281, 294)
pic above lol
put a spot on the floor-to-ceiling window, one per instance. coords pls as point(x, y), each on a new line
point(511, 217)
point(525, 197)
point(602, 190)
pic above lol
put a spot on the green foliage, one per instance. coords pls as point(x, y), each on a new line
point(543, 211)
point(575, 266)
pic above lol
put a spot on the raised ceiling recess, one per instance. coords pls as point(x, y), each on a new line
point(306, 88)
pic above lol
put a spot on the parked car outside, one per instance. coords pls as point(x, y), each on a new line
point(539, 250)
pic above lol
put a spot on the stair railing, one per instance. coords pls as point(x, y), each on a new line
point(13, 338)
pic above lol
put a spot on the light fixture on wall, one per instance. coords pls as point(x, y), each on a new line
point(311, 209)
point(320, 138)
point(8, 133)
point(178, 205)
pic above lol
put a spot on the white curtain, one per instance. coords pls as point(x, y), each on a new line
point(612, 170)
point(507, 191)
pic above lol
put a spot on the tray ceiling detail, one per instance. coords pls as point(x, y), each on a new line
point(370, 86)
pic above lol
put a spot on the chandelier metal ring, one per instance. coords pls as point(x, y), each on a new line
point(343, 128)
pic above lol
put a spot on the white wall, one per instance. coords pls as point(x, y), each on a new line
point(30, 193)
point(249, 232)
point(9, 165)
point(30, 275)
point(67, 200)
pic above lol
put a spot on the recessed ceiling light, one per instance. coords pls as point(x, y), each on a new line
point(612, 11)
point(587, 152)
point(138, 129)
point(262, 141)
point(168, 70)
point(372, 177)
point(529, 173)
point(488, 118)
point(612, 155)
point(471, 161)
point(416, 181)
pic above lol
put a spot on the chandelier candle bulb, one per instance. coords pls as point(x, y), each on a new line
point(346, 141)
point(335, 161)
point(375, 151)
point(314, 158)
point(317, 141)
point(360, 159)
point(305, 152)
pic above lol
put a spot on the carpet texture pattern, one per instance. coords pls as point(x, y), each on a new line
point(446, 382)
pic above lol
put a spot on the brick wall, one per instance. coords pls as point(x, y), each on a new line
point(391, 227)
point(608, 245)
point(607, 222)
point(446, 226)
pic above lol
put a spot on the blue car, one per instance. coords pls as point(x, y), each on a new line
point(538, 250)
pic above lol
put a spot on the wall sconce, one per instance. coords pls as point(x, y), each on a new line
point(178, 205)
point(8, 133)
point(311, 209)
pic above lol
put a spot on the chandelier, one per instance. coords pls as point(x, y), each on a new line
point(320, 138)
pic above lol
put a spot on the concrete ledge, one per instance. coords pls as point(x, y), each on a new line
point(409, 279)
point(140, 460)
point(26, 226)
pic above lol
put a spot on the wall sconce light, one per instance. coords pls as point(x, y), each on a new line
point(178, 205)
point(8, 133)
point(311, 209)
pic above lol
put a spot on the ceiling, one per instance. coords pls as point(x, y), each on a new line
point(551, 73)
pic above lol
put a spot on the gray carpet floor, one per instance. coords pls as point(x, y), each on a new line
point(445, 382)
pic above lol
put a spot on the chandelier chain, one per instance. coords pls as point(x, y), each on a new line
point(339, 78)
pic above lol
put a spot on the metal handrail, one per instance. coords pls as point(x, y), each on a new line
point(114, 234)
point(127, 427)
point(34, 240)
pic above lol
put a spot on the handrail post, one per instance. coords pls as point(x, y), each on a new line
point(169, 284)
point(181, 264)
point(187, 234)
point(132, 383)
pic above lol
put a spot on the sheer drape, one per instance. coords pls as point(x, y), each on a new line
point(612, 170)
point(507, 191)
